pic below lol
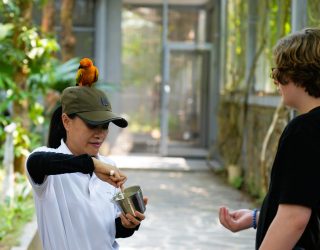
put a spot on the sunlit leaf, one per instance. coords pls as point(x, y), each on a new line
point(5, 30)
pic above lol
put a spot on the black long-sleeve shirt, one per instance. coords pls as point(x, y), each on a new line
point(40, 164)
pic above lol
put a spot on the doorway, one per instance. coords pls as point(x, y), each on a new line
point(186, 72)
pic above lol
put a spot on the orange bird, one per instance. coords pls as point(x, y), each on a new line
point(87, 73)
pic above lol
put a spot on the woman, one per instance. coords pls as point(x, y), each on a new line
point(290, 214)
point(73, 184)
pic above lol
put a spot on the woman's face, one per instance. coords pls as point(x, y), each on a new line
point(81, 138)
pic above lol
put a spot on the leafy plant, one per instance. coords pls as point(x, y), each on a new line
point(13, 214)
point(28, 69)
point(237, 182)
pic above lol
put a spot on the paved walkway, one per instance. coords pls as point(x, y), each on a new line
point(183, 206)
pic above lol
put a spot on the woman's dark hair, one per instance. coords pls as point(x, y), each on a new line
point(56, 129)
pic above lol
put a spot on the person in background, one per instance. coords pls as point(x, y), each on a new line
point(72, 183)
point(290, 214)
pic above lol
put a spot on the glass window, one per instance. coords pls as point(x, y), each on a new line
point(83, 14)
point(141, 62)
point(182, 25)
point(83, 25)
point(84, 45)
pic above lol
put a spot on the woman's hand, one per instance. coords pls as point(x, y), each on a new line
point(109, 173)
point(237, 220)
point(130, 221)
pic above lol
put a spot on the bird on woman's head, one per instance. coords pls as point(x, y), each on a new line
point(87, 73)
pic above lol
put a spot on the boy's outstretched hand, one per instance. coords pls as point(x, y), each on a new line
point(237, 220)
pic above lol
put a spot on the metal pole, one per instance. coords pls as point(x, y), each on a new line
point(8, 182)
point(299, 14)
point(108, 53)
point(298, 22)
point(249, 81)
point(251, 40)
point(215, 70)
point(165, 87)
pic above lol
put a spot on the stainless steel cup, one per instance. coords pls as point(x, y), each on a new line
point(130, 201)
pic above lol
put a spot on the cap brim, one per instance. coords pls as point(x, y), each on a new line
point(101, 117)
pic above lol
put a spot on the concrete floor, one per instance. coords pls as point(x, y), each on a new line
point(182, 213)
point(184, 198)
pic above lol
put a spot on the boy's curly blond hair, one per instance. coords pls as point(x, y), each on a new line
point(297, 59)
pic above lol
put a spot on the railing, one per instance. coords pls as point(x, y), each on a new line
point(8, 160)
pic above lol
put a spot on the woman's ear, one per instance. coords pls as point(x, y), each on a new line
point(65, 121)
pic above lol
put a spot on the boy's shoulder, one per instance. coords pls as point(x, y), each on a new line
point(306, 123)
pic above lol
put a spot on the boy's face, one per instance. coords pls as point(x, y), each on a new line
point(291, 94)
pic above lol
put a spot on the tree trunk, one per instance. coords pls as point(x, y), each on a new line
point(20, 107)
point(26, 11)
point(263, 161)
point(47, 22)
point(68, 40)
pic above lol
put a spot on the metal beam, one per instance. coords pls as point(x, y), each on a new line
point(172, 6)
point(165, 87)
point(215, 70)
point(299, 14)
point(108, 47)
point(189, 46)
point(169, 2)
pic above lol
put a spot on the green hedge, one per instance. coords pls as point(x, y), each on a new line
point(14, 214)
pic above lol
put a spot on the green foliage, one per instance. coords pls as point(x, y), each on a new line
point(24, 140)
point(28, 68)
point(24, 50)
point(313, 13)
point(237, 182)
point(272, 21)
point(141, 50)
point(236, 44)
point(60, 76)
point(13, 214)
point(63, 75)
point(253, 189)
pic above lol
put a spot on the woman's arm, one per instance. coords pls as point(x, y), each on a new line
point(126, 224)
point(124, 232)
point(286, 228)
point(41, 164)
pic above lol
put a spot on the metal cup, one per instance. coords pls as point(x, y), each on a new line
point(130, 200)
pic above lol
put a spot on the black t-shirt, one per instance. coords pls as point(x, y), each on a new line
point(295, 177)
